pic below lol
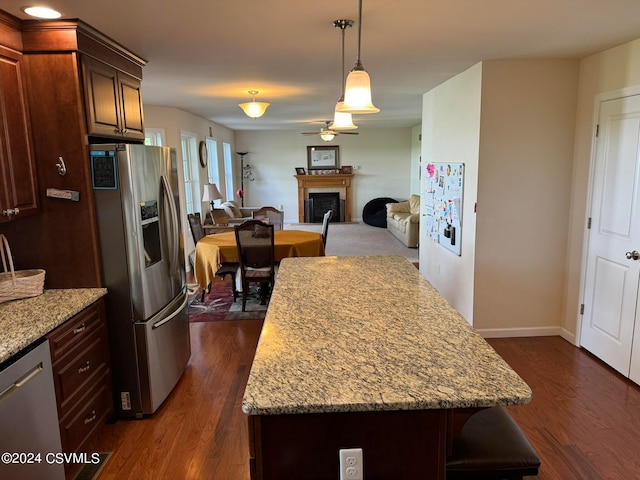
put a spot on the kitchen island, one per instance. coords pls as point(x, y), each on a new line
point(362, 352)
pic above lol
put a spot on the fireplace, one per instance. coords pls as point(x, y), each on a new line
point(321, 202)
point(339, 183)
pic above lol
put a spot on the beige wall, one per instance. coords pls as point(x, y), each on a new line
point(512, 123)
point(384, 159)
point(524, 180)
point(608, 71)
point(175, 121)
point(451, 133)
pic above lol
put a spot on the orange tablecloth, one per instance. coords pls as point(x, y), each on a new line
point(213, 250)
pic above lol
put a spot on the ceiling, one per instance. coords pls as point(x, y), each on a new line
point(204, 55)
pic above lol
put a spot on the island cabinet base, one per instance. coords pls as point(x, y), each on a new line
point(396, 444)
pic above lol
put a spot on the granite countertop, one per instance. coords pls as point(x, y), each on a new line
point(346, 334)
point(24, 321)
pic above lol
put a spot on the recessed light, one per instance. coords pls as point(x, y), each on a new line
point(41, 12)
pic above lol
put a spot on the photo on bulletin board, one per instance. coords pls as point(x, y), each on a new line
point(443, 194)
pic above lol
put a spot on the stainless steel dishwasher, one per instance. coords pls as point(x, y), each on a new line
point(29, 418)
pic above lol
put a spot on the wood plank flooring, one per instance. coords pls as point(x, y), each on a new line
point(584, 419)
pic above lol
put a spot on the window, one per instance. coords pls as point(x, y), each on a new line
point(228, 171)
point(213, 168)
point(154, 136)
point(190, 163)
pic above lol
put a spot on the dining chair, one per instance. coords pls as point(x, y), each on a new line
point(325, 225)
point(255, 243)
point(272, 215)
point(197, 232)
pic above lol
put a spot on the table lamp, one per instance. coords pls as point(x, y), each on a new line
point(211, 194)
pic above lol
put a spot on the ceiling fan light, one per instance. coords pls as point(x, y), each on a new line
point(342, 120)
point(327, 136)
point(357, 93)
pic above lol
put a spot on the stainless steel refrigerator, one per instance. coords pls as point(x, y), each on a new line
point(138, 213)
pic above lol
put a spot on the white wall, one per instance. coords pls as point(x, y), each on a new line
point(611, 70)
point(451, 133)
point(383, 158)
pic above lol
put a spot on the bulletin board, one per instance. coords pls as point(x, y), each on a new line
point(443, 204)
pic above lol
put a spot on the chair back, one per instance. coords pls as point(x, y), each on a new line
point(195, 226)
point(272, 215)
point(325, 225)
point(255, 245)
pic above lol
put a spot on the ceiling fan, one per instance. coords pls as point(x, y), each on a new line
point(327, 134)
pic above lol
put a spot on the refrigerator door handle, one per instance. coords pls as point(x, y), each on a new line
point(173, 263)
point(176, 312)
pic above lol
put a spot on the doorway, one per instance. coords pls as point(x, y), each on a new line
point(610, 322)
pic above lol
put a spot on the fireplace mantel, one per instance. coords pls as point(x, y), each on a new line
point(337, 180)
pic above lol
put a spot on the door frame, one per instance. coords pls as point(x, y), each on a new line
point(598, 99)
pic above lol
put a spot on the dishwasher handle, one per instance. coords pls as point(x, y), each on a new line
point(22, 381)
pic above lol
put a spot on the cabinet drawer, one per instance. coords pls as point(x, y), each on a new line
point(79, 373)
point(91, 412)
point(70, 334)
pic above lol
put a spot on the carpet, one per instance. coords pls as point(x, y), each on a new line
point(353, 239)
point(218, 305)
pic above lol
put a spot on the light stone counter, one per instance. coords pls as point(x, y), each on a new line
point(349, 334)
point(22, 322)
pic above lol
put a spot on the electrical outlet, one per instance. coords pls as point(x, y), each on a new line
point(351, 464)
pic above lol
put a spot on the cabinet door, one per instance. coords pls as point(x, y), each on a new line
point(113, 101)
point(131, 98)
point(17, 168)
point(101, 98)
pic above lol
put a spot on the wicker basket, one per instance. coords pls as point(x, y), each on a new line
point(21, 284)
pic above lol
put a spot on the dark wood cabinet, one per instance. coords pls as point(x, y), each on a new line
point(82, 378)
point(18, 185)
point(113, 101)
point(55, 56)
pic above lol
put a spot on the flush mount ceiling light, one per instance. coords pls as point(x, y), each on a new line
point(40, 11)
point(357, 94)
point(342, 120)
point(254, 109)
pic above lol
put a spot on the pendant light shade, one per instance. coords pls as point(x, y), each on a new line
point(342, 120)
point(357, 92)
point(254, 109)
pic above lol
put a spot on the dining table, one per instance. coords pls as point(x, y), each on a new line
point(214, 250)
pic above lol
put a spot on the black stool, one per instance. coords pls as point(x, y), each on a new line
point(491, 446)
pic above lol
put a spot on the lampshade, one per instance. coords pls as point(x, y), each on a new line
point(327, 136)
point(342, 120)
point(357, 92)
point(254, 109)
point(211, 193)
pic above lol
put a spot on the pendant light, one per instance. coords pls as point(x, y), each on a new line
point(357, 94)
point(341, 120)
point(254, 109)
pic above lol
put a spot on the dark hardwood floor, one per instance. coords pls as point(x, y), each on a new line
point(584, 419)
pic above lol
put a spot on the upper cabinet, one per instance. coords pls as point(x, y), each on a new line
point(113, 101)
point(18, 192)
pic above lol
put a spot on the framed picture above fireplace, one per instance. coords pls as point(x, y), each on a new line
point(322, 157)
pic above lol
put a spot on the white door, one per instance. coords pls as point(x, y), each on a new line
point(612, 279)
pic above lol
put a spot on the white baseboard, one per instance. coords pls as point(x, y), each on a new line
point(523, 332)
